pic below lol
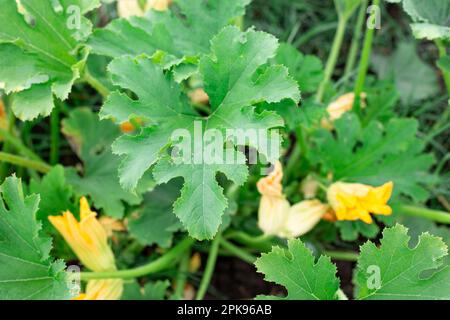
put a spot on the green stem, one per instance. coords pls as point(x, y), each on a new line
point(354, 48)
point(300, 148)
point(442, 53)
point(155, 266)
point(364, 63)
point(313, 32)
point(18, 145)
point(261, 243)
point(23, 162)
point(95, 83)
point(182, 275)
point(332, 59)
point(209, 269)
point(342, 255)
point(54, 134)
point(430, 214)
point(238, 252)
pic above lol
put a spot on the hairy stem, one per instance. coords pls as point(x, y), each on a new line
point(342, 255)
point(157, 265)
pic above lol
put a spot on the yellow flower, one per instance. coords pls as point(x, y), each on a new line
point(273, 206)
point(343, 104)
point(110, 289)
point(277, 217)
point(89, 240)
point(355, 201)
point(303, 217)
point(129, 8)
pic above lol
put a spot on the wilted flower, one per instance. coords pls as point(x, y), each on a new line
point(89, 240)
point(343, 104)
point(355, 201)
point(273, 206)
point(309, 187)
point(303, 217)
point(277, 217)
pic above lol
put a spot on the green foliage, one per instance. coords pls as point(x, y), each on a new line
point(91, 140)
point(27, 272)
point(401, 268)
point(154, 222)
point(56, 195)
point(43, 58)
point(236, 78)
point(295, 268)
point(186, 33)
point(415, 80)
point(376, 154)
point(431, 18)
point(151, 291)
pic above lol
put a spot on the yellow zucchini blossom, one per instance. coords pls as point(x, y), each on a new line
point(277, 217)
point(355, 201)
point(129, 8)
point(89, 241)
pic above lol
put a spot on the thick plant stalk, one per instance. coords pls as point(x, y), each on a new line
point(26, 163)
point(159, 264)
point(238, 252)
point(434, 215)
point(442, 53)
point(354, 48)
point(332, 59)
point(209, 269)
point(181, 278)
point(364, 64)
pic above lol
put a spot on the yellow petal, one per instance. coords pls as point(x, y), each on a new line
point(272, 215)
point(355, 201)
point(271, 185)
point(88, 239)
point(109, 289)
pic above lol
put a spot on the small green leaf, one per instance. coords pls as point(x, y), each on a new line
point(295, 268)
point(151, 291)
point(27, 271)
point(395, 270)
point(56, 194)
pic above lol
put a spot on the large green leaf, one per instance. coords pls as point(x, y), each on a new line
point(27, 271)
point(376, 154)
point(400, 269)
point(91, 139)
point(180, 33)
point(44, 58)
point(236, 77)
point(295, 268)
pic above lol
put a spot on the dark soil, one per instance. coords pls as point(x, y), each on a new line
point(236, 279)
